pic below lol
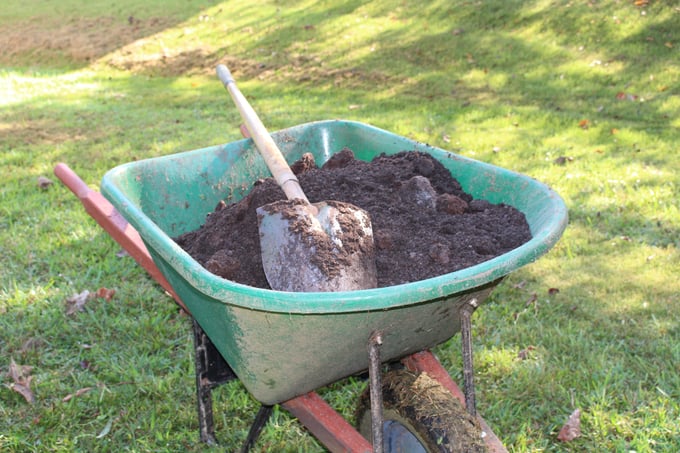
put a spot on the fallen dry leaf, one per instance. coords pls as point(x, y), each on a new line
point(44, 182)
point(107, 428)
point(532, 299)
point(76, 302)
point(21, 380)
point(76, 393)
point(19, 373)
point(572, 429)
point(524, 353)
point(23, 390)
point(520, 285)
point(105, 293)
point(584, 124)
point(621, 96)
point(32, 344)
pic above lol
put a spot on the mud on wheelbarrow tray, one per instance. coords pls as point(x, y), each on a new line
point(282, 344)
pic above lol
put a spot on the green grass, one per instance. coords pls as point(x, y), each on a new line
point(582, 96)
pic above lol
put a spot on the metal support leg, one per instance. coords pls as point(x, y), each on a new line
point(211, 371)
point(256, 428)
point(374, 343)
point(468, 368)
point(203, 392)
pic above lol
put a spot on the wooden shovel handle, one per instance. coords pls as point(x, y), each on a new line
point(271, 153)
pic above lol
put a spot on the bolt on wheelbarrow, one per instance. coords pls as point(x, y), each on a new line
point(343, 333)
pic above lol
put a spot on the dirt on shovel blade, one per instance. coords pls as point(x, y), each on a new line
point(424, 225)
point(327, 256)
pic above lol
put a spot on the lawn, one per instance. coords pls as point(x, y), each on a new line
point(583, 96)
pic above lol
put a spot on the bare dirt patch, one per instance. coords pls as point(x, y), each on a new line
point(132, 44)
point(141, 57)
point(36, 132)
point(77, 41)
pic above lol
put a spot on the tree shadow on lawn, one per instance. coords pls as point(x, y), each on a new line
point(487, 56)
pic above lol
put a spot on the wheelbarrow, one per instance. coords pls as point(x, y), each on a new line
point(283, 346)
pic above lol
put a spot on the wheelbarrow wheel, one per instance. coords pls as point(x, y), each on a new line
point(420, 416)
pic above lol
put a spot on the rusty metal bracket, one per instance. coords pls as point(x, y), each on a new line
point(375, 378)
point(466, 343)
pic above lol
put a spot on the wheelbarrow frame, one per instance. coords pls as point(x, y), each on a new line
point(326, 424)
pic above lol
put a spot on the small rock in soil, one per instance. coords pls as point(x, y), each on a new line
point(418, 190)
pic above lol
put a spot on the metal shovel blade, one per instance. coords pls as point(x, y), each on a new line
point(308, 251)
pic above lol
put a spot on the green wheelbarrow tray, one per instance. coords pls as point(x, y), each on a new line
point(282, 344)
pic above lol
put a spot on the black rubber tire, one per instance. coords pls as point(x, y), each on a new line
point(430, 413)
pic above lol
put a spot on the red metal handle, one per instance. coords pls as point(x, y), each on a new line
point(114, 224)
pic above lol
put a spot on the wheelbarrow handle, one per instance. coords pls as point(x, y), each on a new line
point(100, 209)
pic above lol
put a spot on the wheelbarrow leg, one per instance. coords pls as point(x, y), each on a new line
point(211, 371)
point(256, 428)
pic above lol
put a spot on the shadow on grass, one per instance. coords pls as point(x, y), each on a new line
point(570, 64)
point(484, 56)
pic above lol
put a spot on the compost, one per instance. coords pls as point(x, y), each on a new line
point(424, 224)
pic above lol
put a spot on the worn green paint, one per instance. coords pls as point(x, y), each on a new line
point(284, 344)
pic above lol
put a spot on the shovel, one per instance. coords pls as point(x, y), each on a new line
point(325, 246)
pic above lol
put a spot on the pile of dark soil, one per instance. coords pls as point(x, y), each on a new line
point(424, 225)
